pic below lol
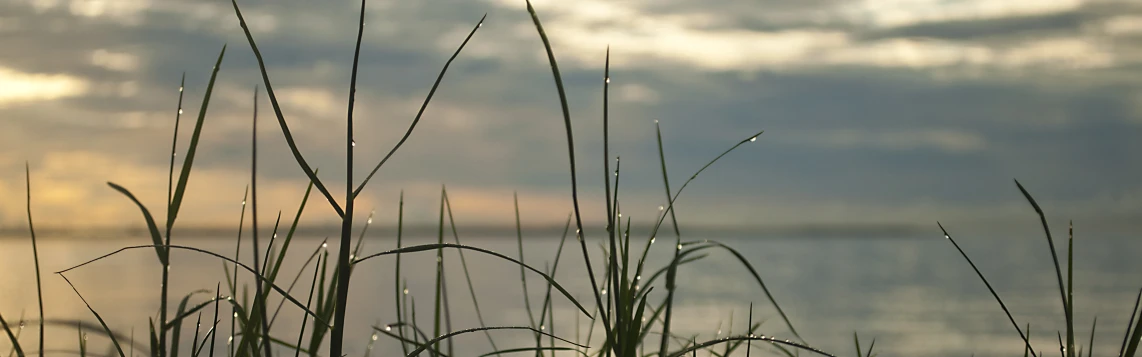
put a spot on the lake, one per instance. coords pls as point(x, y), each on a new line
point(915, 295)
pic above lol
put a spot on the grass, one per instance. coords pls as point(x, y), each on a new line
point(633, 323)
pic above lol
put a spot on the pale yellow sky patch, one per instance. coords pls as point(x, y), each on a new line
point(19, 86)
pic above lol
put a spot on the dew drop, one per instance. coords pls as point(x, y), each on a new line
point(541, 327)
point(85, 337)
point(369, 221)
point(947, 236)
point(229, 340)
point(652, 240)
point(608, 80)
point(656, 121)
point(275, 236)
point(180, 89)
point(324, 245)
point(22, 324)
point(620, 215)
point(604, 291)
point(638, 277)
point(243, 202)
point(235, 315)
point(180, 111)
point(679, 247)
point(353, 143)
point(388, 328)
point(753, 139)
point(406, 291)
point(719, 332)
point(229, 298)
point(479, 25)
point(374, 337)
point(661, 208)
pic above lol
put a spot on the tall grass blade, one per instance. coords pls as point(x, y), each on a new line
point(522, 271)
point(305, 318)
point(529, 349)
point(12, 337)
point(281, 118)
point(439, 273)
point(799, 346)
point(1055, 259)
point(154, 339)
point(1090, 348)
point(156, 238)
point(1071, 289)
point(398, 296)
point(429, 247)
point(188, 161)
point(437, 339)
point(1132, 347)
point(245, 267)
point(176, 325)
point(467, 275)
point(579, 234)
point(1126, 340)
point(423, 106)
point(214, 328)
point(994, 294)
point(35, 254)
point(259, 307)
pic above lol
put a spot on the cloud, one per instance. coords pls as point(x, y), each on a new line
point(23, 87)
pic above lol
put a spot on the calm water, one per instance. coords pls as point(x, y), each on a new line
point(916, 296)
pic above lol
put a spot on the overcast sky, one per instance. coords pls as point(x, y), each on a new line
point(874, 111)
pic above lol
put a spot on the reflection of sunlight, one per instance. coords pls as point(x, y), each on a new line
point(125, 12)
point(892, 13)
point(23, 87)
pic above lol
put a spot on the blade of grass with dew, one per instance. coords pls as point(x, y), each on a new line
point(214, 337)
point(989, 288)
point(154, 339)
point(799, 346)
point(437, 315)
point(82, 341)
point(194, 341)
point(1130, 325)
point(530, 349)
point(406, 340)
point(296, 278)
point(423, 106)
point(176, 325)
point(554, 267)
point(151, 226)
point(475, 329)
point(308, 300)
point(258, 309)
point(579, 234)
point(35, 254)
point(179, 192)
point(276, 288)
point(1070, 289)
point(522, 272)
point(1055, 259)
point(281, 118)
point(431, 247)
point(11, 337)
point(398, 296)
point(467, 275)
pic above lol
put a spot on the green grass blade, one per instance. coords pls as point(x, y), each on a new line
point(296, 278)
point(531, 349)
point(429, 247)
point(1055, 259)
point(194, 341)
point(1130, 325)
point(1071, 289)
point(398, 296)
point(12, 337)
point(1132, 347)
point(214, 337)
point(35, 254)
point(436, 317)
point(156, 238)
point(1090, 349)
point(571, 156)
point(305, 318)
point(176, 324)
point(423, 106)
point(154, 340)
point(247, 268)
point(522, 272)
point(188, 161)
point(82, 341)
point(799, 346)
point(856, 340)
point(437, 339)
point(281, 118)
point(467, 275)
point(1002, 305)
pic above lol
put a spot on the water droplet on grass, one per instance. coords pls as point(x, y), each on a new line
point(180, 111)
point(235, 314)
point(541, 327)
point(679, 247)
point(388, 328)
point(406, 291)
point(652, 240)
point(324, 245)
point(180, 89)
point(608, 80)
point(375, 335)
point(753, 139)
point(604, 291)
point(353, 143)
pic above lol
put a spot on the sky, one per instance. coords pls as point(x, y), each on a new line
point(896, 112)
